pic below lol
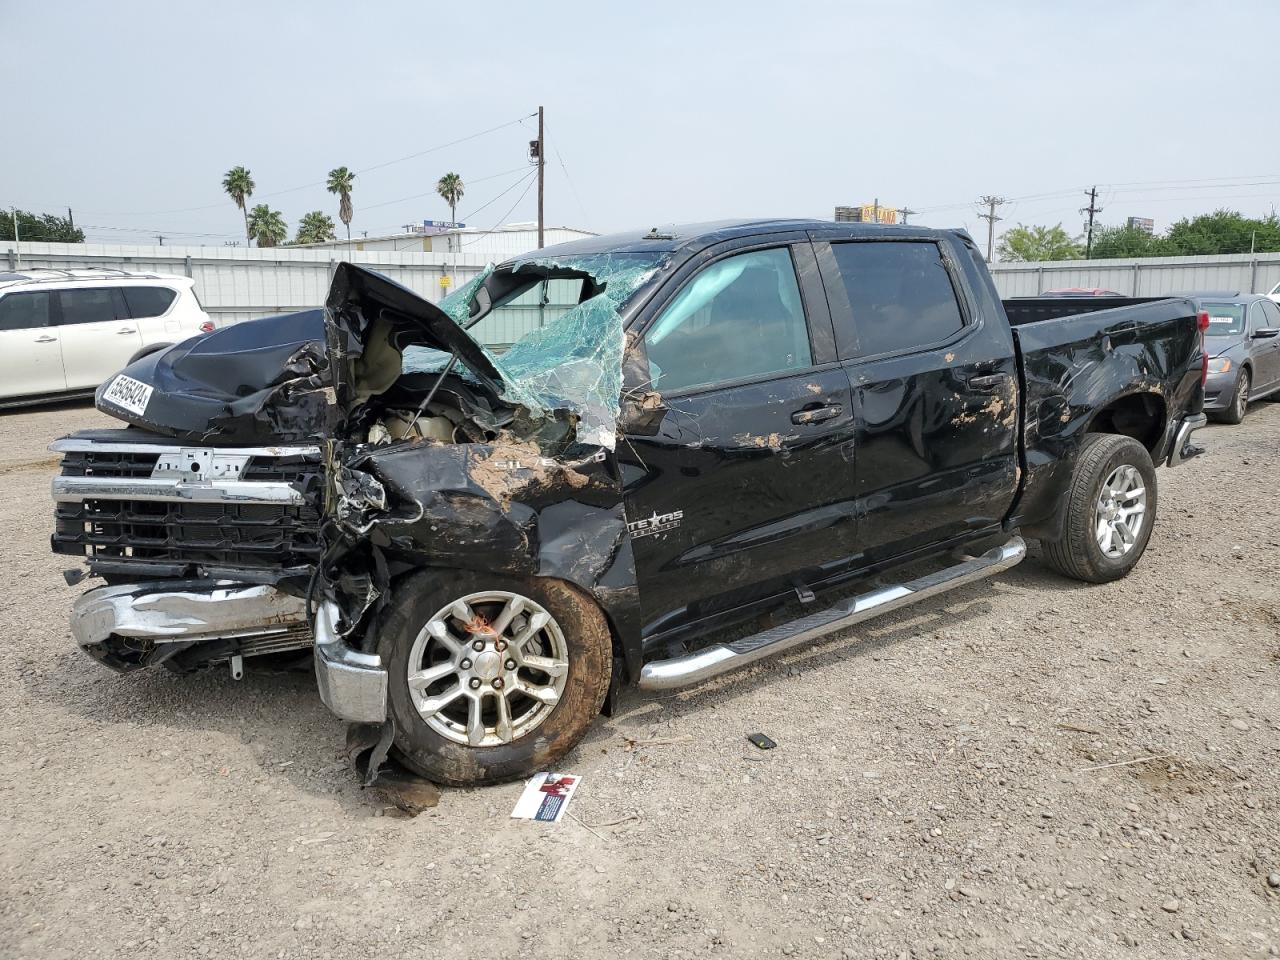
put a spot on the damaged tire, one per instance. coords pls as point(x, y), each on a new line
point(1110, 511)
point(491, 678)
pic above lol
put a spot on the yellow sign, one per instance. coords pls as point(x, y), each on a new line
point(873, 214)
point(445, 281)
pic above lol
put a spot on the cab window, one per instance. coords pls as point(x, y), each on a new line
point(740, 318)
point(900, 294)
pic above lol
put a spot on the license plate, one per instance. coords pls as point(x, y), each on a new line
point(129, 393)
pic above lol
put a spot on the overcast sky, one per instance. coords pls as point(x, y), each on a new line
point(131, 112)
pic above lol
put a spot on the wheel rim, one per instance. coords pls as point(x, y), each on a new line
point(1121, 511)
point(488, 668)
point(1242, 396)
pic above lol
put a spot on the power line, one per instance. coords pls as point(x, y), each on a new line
point(990, 216)
point(317, 183)
point(419, 196)
point(503, 217)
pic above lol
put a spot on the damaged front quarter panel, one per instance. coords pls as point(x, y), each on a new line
point(526, 486)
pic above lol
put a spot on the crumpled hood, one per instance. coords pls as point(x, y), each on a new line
point(291, 377)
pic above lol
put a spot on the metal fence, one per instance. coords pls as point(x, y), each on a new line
point(238, 283)
point(1144, 277)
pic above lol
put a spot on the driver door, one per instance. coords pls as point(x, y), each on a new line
point(741, 488)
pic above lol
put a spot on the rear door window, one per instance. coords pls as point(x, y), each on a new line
point(1270, 314)
point(146, 302)
point(91, 305)
point(900, 295)
point(24, 311)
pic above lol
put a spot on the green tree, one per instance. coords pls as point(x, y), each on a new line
point(1223, 231)
point(340, 182)
point(1112, 242)
point(451, 188)
point(239, 187)
point(267, 226)
point(1024, 243)
point(314, 227)
point(44, 227)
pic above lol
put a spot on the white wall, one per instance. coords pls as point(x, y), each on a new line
point(1142, 277)
point(239, 283)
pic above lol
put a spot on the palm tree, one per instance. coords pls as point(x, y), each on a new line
point(314, 227)
point(239, 186)
point(340, 179)
point(450, 187)
point(267, 226)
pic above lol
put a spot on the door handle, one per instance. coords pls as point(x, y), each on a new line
point(123, 330)
point(988, 383)
point(46, 340)
point(817, 414)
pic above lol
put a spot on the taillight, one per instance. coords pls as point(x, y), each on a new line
point(1202, 323)
point(207, 326)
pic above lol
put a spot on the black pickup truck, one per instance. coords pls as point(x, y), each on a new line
point(692, 427)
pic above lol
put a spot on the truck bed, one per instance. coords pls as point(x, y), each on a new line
point(1021, 310)
point(1122, 369)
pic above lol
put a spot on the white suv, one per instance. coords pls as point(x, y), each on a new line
point(66, 331)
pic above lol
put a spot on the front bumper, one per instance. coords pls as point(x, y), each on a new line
point(1220, 391)
point(1183, 449)
point(352, 684)
point(134, 625)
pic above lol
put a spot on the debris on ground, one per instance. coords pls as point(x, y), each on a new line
point(546, 797)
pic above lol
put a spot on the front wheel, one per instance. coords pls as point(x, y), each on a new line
point(1111, 508)
point(1239, 400)
point(492, 678)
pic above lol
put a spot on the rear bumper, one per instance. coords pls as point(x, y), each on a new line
point(352, 684)
point(1183, 449)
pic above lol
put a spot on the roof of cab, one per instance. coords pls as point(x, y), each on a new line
point(692, 237)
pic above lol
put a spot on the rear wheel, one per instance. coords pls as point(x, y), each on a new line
point(1239, 400)
point(492, 678)
point(1111, 508)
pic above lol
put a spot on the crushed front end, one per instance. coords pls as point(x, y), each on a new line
point(280, 477)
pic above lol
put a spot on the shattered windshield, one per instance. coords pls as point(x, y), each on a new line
point(566, 338)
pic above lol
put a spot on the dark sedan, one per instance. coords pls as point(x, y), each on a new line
point(1243, 343)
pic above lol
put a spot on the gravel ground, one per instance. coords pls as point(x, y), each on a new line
point(939, 788)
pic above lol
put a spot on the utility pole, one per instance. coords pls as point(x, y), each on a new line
point(542, 165)
point(990, 216)
point(875, 210)
point(1092, 210)
point(17, 240)
point(160, 239)
point(906, 212)
point(70, 219)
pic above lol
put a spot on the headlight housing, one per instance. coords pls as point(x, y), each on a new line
point(1219, 365)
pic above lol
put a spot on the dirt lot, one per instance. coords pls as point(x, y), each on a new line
point(940, 788)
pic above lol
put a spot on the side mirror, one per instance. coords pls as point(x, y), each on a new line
point(1266, 333)
point(642, 413)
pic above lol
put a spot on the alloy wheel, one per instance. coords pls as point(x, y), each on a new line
point(488, 668)
point(1121, 511)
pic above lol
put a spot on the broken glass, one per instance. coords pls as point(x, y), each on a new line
point(575, 361)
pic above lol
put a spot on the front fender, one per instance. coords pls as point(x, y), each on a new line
point(507, 508)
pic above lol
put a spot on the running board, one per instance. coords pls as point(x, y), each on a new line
point(723, 657)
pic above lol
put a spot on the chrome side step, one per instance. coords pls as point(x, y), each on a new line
point(723, 657)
